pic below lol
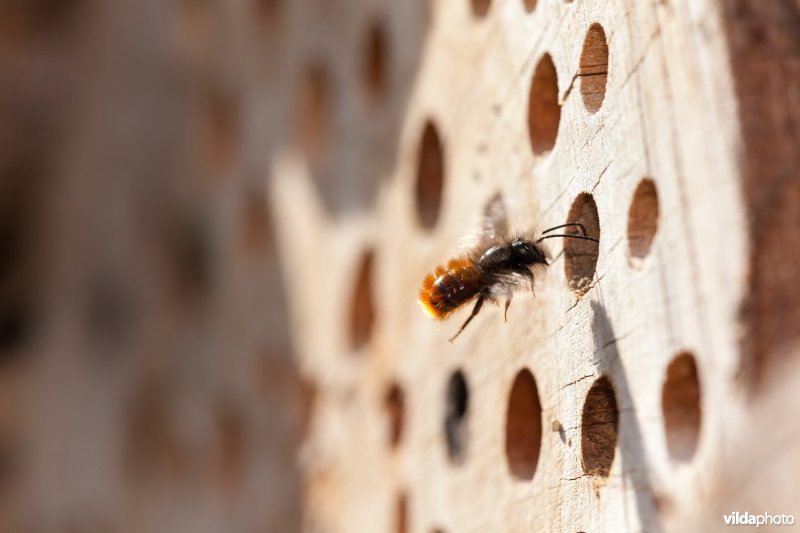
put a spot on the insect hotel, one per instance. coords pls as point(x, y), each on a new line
point(239, 239)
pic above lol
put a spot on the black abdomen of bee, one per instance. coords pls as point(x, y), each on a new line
point(454, 290)
point(444, 291)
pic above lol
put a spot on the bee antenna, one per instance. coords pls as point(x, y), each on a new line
point(567, 225)
point(567, 236)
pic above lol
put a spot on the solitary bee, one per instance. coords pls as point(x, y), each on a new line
point(495, 268)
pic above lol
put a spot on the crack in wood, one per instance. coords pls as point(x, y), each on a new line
point(576, 381)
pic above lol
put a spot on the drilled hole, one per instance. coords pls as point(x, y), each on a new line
point(21, 179)
point(642, 220)
point(35, 18)
point(401, 513)
point(544, 111)
point(430, 176)
point(267, 12)
point(230, 449)
point(152, 447)
point(530, 5)
point(314, 111)
point(599, 425)
point(580, 256)
point(16, 323)
point(394, 403)
point(110, 309)
point(480, 7)
point(455, 421)
point(375, 68)
point(680, 400)
point(362, 309)
point(220, 131)
point(593, 70)
point(11, 459)
point(190, 260)
point(523, 426)
point(194, 25)
point(255, 224)
point(306, 394)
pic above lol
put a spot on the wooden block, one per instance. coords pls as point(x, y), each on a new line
point(603, 402)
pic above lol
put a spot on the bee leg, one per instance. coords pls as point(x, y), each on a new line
point(529, 275)
point(526, 274)
point(475, 311)
point(509, 295)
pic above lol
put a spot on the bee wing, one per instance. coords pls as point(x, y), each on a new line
point(513, 280)
point(495, 219)
point(493, 225)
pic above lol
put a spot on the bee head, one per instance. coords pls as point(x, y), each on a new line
point(528, 252)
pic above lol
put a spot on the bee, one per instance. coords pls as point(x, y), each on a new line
point(496, 267)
